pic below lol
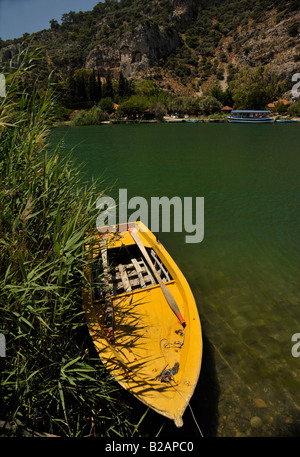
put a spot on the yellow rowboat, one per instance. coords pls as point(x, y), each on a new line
point(143, 319)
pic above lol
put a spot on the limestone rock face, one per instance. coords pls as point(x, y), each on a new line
point(271, 44)
point(135, 51)
point(9, 52)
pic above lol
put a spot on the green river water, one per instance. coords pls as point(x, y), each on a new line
point(245, 272)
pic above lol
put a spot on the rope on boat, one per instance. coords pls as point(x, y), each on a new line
point(193, 415)
point(168, 345)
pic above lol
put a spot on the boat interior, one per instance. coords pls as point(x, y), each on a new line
point(127, 271)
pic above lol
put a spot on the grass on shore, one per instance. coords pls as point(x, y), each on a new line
point(50, 381)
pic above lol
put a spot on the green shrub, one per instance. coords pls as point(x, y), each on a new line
point(106, 105)
point(135, 107)
point(294, 109)
point(192, 41)
point(224, 97)
point(220, 74)
point(93, 116)
point(280, 108)
point(209, 105)
point(223, 56)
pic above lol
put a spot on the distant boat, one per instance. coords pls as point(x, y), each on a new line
point(192, 120)
point(133, 308)
point(251, 117)
point(286, 120)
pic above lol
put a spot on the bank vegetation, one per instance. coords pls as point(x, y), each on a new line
point(51, 380)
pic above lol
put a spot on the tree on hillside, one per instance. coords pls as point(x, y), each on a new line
point(135, 107)
point(145, 88)
point(69, 18)
point(98, 88)
point(294, 109)
point(176, 106)
point(93, 87)
point(108, 91)
point(80, 93)
point(82, 89)
point(157, 110)
point(106, 105)
point(54, 24)
point(224, 97)
point(124, 89)
point(255, 88)
point(209, 105)
point(190, 105)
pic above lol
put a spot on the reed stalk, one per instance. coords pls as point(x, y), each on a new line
point(50, 381)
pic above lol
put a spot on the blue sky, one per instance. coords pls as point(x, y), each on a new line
point(20, 16)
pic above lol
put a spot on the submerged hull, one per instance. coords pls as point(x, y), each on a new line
point(153, 355)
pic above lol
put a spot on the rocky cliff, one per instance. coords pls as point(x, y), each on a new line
point(196, 43)
point(143, 46)
point(275, 43)
point(134, 51)
point(8, 53)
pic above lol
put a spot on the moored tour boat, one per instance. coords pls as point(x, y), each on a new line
point(143, 319)
point(250, 117)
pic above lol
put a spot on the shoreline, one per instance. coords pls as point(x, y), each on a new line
point(166, 120)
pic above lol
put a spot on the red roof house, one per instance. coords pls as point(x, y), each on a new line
point(281, 100)
point(226, 108)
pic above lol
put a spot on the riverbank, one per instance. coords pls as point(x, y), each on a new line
point(172, 120)
point(165, 119)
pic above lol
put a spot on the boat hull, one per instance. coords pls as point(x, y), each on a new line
point(149, 338)
point(251, 121)
point(286, 121)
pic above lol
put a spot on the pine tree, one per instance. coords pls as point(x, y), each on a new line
point(89, 86)
point(98, 88)
point(108, 91)
point(123, 87)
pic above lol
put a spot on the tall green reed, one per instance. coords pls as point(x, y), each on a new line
point(50, 380)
